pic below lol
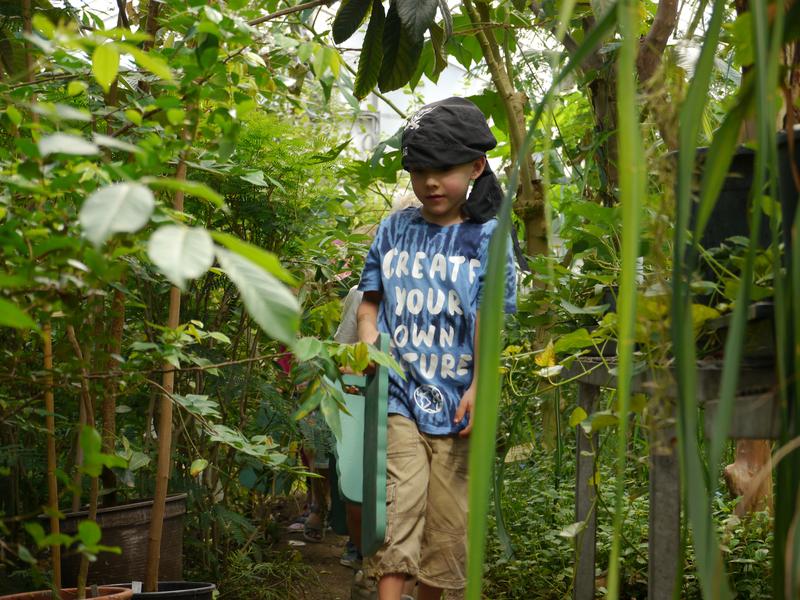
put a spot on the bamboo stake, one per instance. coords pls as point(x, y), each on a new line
point(50, 424)
point(88, 405)
point(164, 427)
point(109, 407)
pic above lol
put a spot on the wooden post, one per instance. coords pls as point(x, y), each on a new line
point(585, 507)
point(664, 516)
point(50, 424)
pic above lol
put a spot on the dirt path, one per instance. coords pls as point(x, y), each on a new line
point(335, 579)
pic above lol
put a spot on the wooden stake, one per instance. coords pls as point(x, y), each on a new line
point(50, 424)
point(164, 429)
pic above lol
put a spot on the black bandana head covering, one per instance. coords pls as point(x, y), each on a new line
point(452, 132)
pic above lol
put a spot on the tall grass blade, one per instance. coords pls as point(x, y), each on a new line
point(482, 448)
point(710, 568)
point(633, 190)
point(482, 438)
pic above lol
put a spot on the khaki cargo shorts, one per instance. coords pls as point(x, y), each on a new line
point(426, 507)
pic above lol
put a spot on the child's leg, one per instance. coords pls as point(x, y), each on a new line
point(444, 541)
point(407, 469)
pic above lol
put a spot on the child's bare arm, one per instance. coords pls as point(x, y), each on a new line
point(467, 404)
point(368, 317)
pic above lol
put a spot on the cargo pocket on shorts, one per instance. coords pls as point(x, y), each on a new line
point(391, 512)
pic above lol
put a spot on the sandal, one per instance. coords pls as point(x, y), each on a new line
point(314, 532)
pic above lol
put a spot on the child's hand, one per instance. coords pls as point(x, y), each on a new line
point(466, 407)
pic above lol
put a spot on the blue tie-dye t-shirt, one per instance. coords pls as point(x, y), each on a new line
point(431, 278)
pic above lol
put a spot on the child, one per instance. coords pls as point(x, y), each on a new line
point(422, 284)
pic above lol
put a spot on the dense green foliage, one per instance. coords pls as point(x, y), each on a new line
point(200, 152)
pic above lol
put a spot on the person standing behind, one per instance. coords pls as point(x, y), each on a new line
point(422, 284)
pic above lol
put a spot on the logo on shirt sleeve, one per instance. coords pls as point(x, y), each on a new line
point(429, 399)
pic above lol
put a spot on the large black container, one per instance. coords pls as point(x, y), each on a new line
point(787, 184)
point(185, 590)
point(127, 526)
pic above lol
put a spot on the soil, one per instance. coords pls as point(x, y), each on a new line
point(323, 558)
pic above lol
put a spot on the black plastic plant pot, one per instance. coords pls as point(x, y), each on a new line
point(731, 213)
point(185, 590)
point(787, 185)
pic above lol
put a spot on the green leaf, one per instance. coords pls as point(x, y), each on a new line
point(268, 301)
point(439, 53)
point(416, 16)
point(107, 141)
point(13, 316)
point(401, 53)
point(181, 252)
point(349, 17)
point(197, 404)
point(115, 208)
point(150, 62)
point(578, 415)
point(76, 88)
point(89, 533)
point(188, 187)
point(574, 340)
point(65, 143)
point(264, 259)
point(198, 466)
point(330, 407)
point(105, 65)
point(256, 178)
point(371, 57)
point(307, 348)
point(14, 115)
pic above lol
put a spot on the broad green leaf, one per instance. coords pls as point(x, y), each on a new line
point(12, 315)
point(268, 301)
point(401, 53)
point(439, 52)
point(416, 16)
point(577, 416)
point(76, 88)
point(89, 533)
point(307, 348)
point(134, 116)
point(149, 61)
point(371, 57)
point(264, 259)
point(198, 466)
point(105, 65)
point(43, 25)
point(197, 404)
point(330, 407)
point(256, 178)
point(13, 114)
point(65, 143)
point(547, 357)
point(188, 187)
point(115, 208)
point(574, 340)
point(181, 252)
point(349, 17)
point(107, 141)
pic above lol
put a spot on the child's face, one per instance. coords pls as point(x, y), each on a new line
point(442, 192)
